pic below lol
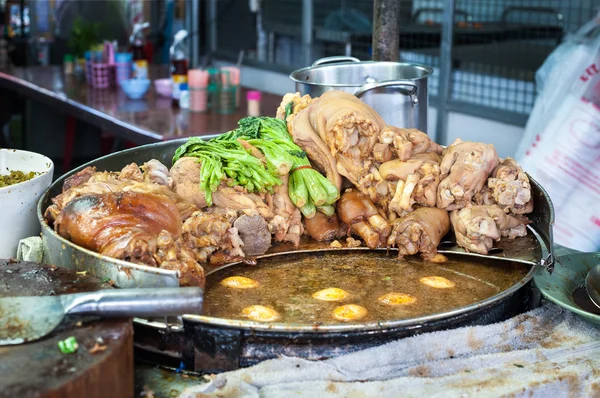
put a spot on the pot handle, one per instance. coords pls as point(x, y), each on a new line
point(139, 302)
point(330, 60)
point(412, 92)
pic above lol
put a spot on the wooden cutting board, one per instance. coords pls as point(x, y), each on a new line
point(40, 369)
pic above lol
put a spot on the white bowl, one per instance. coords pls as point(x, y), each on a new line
point(18, 217)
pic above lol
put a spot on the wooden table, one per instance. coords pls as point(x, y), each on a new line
point(148, 120)
point(38, 369)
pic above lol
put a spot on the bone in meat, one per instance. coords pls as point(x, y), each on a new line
point(208, 233)
point(127, 226)
point(416, 179)
point(350, 129)
point(408, 142)
point(298, 103)
point(477, 227)
point(286, 224)
point(358, 212)
point(237, 198)
point(185, 181)
point(465, 168)
point(510, 188)
point(323, 228)
point(420, 231)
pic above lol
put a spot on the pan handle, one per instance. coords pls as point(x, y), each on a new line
point(144, 302)
point(335, 59)
point(412, 88)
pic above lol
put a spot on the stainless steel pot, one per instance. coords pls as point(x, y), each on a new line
point(396, 90)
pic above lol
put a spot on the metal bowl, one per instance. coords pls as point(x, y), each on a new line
point(569, 274)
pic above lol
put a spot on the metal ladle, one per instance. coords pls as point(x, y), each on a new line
point(592, 285)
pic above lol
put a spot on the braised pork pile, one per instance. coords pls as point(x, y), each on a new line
point(396, 188)
point(152, 215)
point(406, 190)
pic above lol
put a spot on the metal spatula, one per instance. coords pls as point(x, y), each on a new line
point(24, 319)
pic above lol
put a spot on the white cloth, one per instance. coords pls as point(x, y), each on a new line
point(31, 249)
point(547, 352)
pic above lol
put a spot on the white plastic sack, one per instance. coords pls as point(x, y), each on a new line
point(561, 145)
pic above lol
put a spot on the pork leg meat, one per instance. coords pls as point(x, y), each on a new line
point(408, 142)
point(358, 211)
point(510, 188)
point(138, 227)
point(465, 168)
point(420, 231)
point(477, 227)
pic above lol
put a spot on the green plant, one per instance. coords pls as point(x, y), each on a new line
point(84, 35)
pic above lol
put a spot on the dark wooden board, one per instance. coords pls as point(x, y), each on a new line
point(40, 369)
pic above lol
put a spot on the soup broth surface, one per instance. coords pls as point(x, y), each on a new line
point(287, 283)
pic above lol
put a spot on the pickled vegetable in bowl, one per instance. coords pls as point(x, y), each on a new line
point(24, 176)
point(16, 177)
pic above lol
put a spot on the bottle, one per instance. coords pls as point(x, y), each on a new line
point(179, 65)
point(68, 64)
point(184, 98)
point(139, 65)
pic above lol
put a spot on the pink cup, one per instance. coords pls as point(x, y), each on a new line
point(198, 99)
point(198, 82)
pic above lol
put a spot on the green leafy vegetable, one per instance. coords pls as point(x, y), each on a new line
point(289, 109)
point(226, 156)
point(298, 154)
point(68, 345)
point(303, 179)
point(222, 159)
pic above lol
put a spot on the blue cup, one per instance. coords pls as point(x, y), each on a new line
point(123, 58)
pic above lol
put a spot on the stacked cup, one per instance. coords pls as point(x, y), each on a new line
point(123, 66)
point(234, 80)
point(88, 66)
point(226, 91)
point(198, 86)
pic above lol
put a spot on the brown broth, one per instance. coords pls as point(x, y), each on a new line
point(288, 282)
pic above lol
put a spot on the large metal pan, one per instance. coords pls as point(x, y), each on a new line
point(213, 344)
